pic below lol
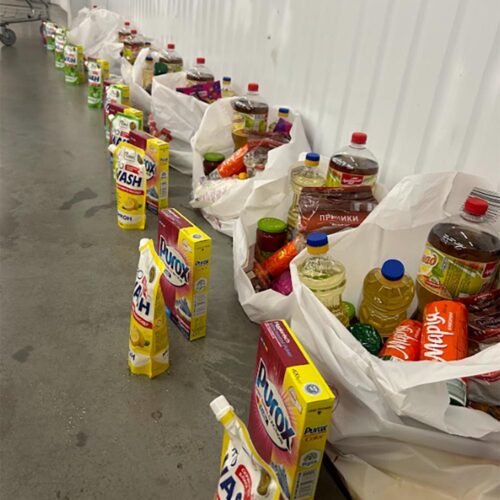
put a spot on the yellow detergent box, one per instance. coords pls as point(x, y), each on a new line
point(156, 158)
point(185, 249)
point(290, 410)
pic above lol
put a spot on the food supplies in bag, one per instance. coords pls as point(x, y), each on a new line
point(131, 183)
point(330, 210)
point(148, 351)
point(404, 342)
point(207, 92)
point(98, 72)
point(243, 473)
point(186, 250)
point(156, 156)
point(74, 70)
point(290, 410)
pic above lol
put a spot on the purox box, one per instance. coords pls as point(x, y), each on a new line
point(290, 410)
point(185, 249)
point(156, 157)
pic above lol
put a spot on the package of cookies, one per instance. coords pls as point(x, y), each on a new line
point(148, 339)
point(131, 184)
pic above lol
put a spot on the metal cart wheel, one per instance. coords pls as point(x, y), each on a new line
point(7, 37)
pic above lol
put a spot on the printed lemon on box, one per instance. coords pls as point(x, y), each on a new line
point(148, 352)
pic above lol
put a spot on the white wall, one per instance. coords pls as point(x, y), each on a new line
point(421, 77)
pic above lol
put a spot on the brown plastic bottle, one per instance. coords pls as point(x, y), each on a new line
point(199, 73)
point(461, 256)
point(250, 115)
point(353, 165)
point(172, 59)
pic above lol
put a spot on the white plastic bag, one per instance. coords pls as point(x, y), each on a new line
point(214, 134)
point(395, 418)
point(179, 113)
point(83, 13)
point(95, 29)
point(132, 76)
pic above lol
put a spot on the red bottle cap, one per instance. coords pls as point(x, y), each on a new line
point(359, 138)
point(171, 46)
point(475, 206)
point(200, 60)
point(127, 23)
point(134, 32)
point(253, 87)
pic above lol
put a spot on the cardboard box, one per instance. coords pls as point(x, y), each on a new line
point(156, 159)
point(290, 410)
point(185, 249)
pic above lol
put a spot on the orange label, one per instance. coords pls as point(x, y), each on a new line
point(404, 342)
point(444, 333)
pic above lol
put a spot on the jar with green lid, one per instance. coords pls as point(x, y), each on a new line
point(271, 236)
point(211, 161)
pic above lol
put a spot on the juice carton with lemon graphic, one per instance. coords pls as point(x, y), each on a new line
point(148, 349)
point(290, 410)
point(185, 249)
point(156, 158)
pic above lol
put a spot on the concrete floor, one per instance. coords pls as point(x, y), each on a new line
point(74, 424)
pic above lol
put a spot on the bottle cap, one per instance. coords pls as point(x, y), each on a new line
point(127, 23)
point(359, 138)
point(285, 111)
point(149, 58)
point(200, 60)
point(393, 270)
point(134, 32)
point(317, 240)
point(253, 87)
point(475, 206)
point(226, 79)
point(312, 159)
point(171, 46)
point(271, 225)
point(220, 406)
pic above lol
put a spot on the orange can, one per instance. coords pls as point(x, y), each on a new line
point(444, 338)
point(404, 342)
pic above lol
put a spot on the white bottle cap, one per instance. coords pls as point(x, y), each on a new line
point(111, 148)
point(220, 406)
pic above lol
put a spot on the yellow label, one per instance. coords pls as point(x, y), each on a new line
point(157, 170)
point(336, 178)
point(130, 180)
point(450, 277)
point(148, 336)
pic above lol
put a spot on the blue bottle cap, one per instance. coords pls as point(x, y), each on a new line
point(226, 79)
point(312, 157)
point(317, 240)
point(283, 110)
point(393, 270)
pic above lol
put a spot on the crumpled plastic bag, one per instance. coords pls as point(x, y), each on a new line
point(395, 418)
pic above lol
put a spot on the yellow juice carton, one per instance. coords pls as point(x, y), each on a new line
point(185, 249)
point(156, 158)
point(290, 411)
